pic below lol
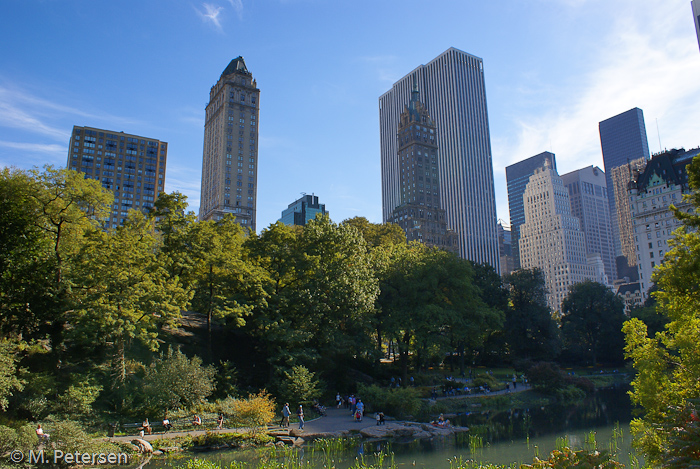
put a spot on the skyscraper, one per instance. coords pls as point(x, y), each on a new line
point(623, 138)
point(131, 166)
point(230, 157)
point(551, 238)
point(452, 88)
point(589, 203)
point(302, 210)
point(419, 213)
point(517, 177)
point(622, 176)
point(695, 5)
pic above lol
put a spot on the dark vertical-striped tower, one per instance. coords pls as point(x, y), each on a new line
point(453, 90)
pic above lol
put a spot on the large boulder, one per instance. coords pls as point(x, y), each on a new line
point(142, 445)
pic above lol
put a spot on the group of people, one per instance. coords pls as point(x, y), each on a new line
point(286, 413)
point(147, 428)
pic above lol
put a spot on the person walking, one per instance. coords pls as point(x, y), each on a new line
point(515, 382)
point(300, 414)
point(285, 415)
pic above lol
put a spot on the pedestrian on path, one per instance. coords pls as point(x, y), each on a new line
point(300, 414)
point(515, 382)
point(285, 415)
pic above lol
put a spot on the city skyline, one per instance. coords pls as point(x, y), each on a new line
point(546, 92)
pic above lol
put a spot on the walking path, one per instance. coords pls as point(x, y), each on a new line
point(336, 420)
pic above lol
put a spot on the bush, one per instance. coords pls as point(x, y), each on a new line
point(488, 380)
point(546, 377)
point(398, 402)
point(176, 381)
point(300, 387)
point(568, 458)
point(255, 411)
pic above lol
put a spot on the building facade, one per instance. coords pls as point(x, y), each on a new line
point(517, 177)
point(551, 238)
point(419, 212)
point(302, 210)
point(588, 196)
point(131, 166)
point(663, 182)
point(452, 89)
point(505, 247)
point(230, 156)
point(621, 177)
point(623, 138)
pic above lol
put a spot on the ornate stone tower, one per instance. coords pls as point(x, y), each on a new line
point(420, 214)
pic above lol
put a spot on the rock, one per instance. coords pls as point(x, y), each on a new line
point(158, 453)
point(143, 445)
point(279, 443)
point(171, 449)
point(298, 442)
point(296, 432)
point(391, 430)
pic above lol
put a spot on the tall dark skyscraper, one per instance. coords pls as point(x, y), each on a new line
point(230, 156)
point(623, 138)
point(419, 213)
point(452, 87)
point(517, 177)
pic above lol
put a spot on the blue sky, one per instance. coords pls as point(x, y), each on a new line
point(554, 69)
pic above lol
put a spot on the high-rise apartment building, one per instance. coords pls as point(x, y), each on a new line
point(131, 166)
point(663, 182)
point(453, 90)
point(588, 196)
point(695, 5)
point(623, 138)
point(551, 238)
point(302, 210)
point(621, 177)
point(517, 177)
point(230, 157)
point(419, 212)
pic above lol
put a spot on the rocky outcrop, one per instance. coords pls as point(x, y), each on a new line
point(409, 430)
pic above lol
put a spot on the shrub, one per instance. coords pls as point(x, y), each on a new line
point(398, 402)
point(254, 411)
point(176, 381)
point(301, 386)
point(546, 377)
point(488, 380)
point(568, 458)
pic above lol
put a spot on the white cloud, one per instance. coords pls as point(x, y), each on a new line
point(647, 61)
point(36, 147)
point(211, 14)
point(238, 6)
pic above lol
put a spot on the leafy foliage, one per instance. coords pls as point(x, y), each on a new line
point(397, 402)
point(176, 381)
point(668, 363)
point(529, 328)
point(300, 386)
point(592, 323)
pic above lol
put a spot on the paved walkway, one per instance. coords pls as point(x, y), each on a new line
point(337, 420)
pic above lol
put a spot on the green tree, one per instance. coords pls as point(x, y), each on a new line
point(531, 332)
point(9, 381)
point(377, 234)
point(591, 323)
point(176, 381)
point(668, 363)
point(429, 300)
point(300, 386)
point(123, 291)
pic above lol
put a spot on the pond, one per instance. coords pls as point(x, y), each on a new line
point(503, 437)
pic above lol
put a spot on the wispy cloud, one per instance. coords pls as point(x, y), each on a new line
point(238, 7)
point(36, 147)
point(211, 15)
point(647, 61)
